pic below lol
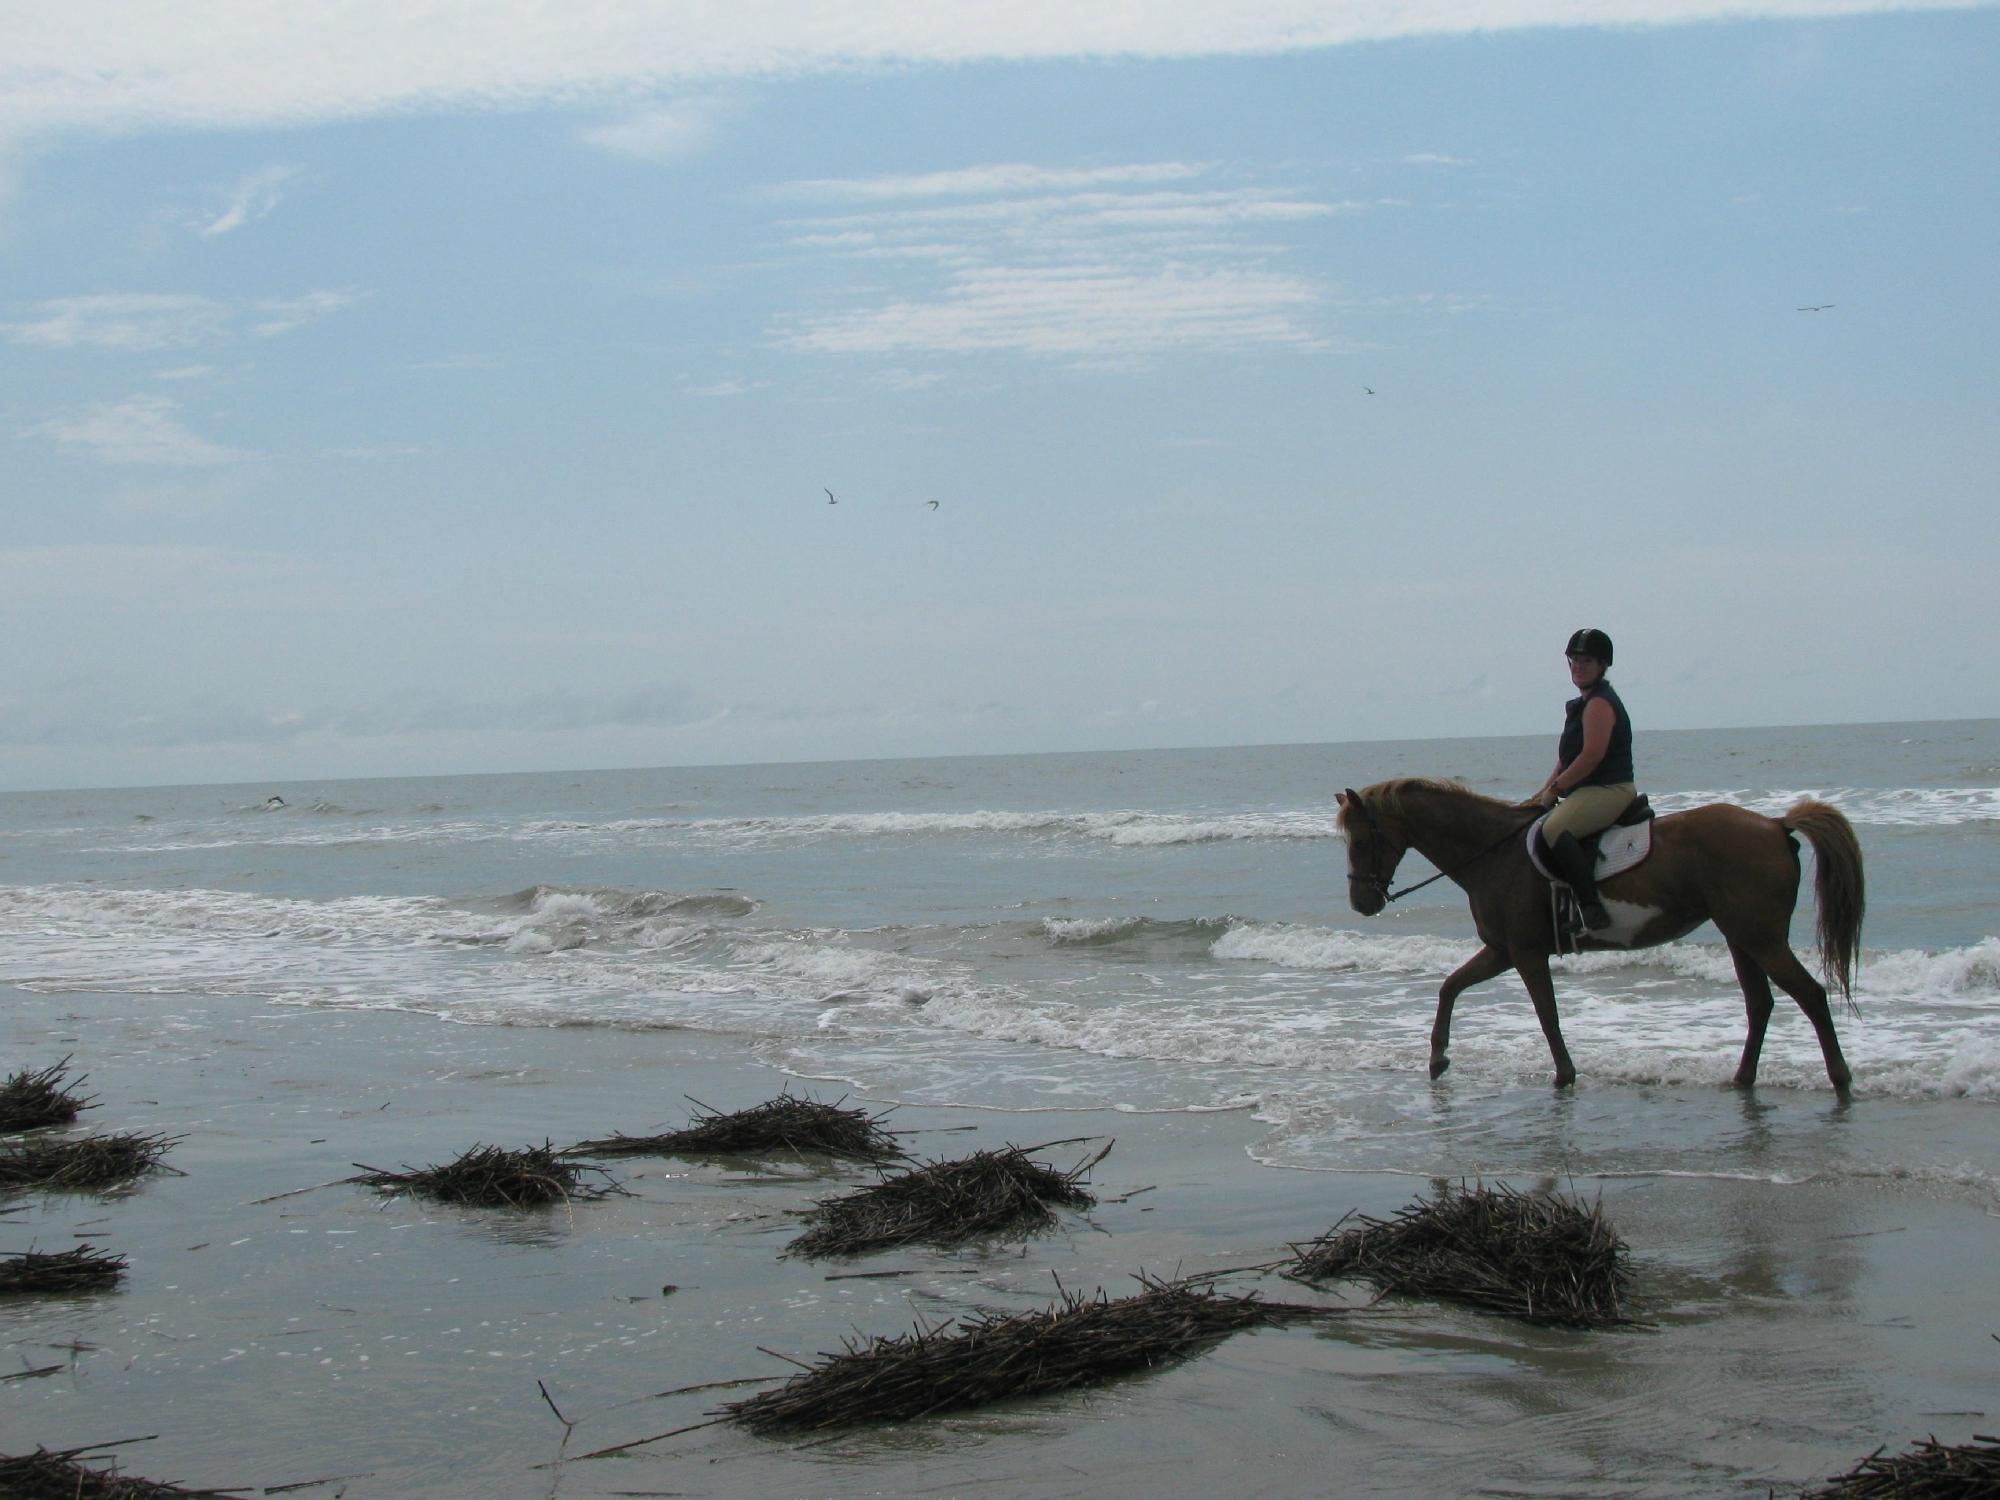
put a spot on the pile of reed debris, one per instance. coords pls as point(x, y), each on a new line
point(43, 1475)
point(946, 1203)
point(1539, 1257)
point(789, 1124)
point(84, 1269)
point(1928, 1470)
point(490, 1177)
point(1079, 1341)
point(82, 1163)
point(30, 1100)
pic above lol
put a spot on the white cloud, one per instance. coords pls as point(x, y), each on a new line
point(124, 64)
point(139, 430)
point(251, 199)
point(273, 316)
point(663, 132)
point(145, 322)
point(999, 177)
point(1080, 311)
point(1087, 265)
point(141, 321)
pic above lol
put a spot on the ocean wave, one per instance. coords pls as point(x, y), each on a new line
point(1905, 974)
point(1105, 932)
point(1130, 828)
point(1905, 807)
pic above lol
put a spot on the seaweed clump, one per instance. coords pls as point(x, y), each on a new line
point(31, 1099)
point(1928, 1470)
point(999, 1357)
point(788, 1123)
point(1538, 1257)
point(83, 1269)
point(79, 1163)
point(946, 1203)
point(43, 1475)
point(493, 1177)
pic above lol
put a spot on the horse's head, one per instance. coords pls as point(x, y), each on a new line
point(1375, 846)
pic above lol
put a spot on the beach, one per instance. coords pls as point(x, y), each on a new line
point(1149, 949)
point(396, 1347)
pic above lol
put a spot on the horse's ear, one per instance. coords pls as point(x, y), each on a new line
point(1350, 795)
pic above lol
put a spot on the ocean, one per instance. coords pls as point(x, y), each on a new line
point(1143, 931)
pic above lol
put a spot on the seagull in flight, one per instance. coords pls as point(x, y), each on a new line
point(1368, 390)
point(1819, 307)
point(829, 496)
point(932, 504)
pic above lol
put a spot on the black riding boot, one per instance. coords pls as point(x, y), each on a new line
point(1579, 867)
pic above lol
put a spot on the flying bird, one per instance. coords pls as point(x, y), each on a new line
point(1368, 390)
point(1819, 307)
point(829, 496)
point(932, 504)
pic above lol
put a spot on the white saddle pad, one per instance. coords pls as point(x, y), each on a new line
point(1618, 849)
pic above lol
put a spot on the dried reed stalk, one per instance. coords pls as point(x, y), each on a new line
point(30, 1100)
point(945, 1203)
point(1078, 1341)
point(491, 1177)
point(1928, 1470)
point(1538, 1257)
point(86, 1268)
point(797, 1126)
point(79, 1163)
point(43, 1475)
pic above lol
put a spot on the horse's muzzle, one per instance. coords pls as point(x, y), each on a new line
point(1366, 897)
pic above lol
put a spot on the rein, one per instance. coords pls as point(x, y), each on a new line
point(1375, 829)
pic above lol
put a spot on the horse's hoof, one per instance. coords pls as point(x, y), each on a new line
point(1438, 1064)
point(1565, 1080)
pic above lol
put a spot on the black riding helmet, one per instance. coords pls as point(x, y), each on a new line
point(1590, 643)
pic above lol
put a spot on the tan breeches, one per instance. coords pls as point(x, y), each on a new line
point(1588, 810)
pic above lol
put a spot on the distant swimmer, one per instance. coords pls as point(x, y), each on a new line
point(829, 496)
point(1819, 307)
point(932, 504)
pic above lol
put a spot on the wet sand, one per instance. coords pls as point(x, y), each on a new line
point(400, 1344)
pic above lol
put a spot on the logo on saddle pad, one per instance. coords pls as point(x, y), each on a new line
point(1618, 849)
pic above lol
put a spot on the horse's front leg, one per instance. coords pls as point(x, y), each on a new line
point(1479, 968)
point(1534, 969)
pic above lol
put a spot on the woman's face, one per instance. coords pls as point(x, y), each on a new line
point(1585, 670)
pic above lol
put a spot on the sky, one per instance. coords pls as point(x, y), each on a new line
point(423, 388)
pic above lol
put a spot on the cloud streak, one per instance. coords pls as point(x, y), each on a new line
point(148, 322)
point(251, 199)
point(131, 64)
point(139, 430)
point(1084, 264)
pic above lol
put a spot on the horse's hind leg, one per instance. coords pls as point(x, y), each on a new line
point(1791, 976)
point(1483, 965)
point(1542, 990)
point(1757, 1001)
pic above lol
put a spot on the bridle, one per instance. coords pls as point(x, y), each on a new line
point(1380, 882)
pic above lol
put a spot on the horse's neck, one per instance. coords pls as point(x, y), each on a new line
point(1448, 829)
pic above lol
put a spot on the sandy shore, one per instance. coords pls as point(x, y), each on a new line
point(395, 1348)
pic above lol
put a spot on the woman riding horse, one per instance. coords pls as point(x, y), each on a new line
point(1593, 777)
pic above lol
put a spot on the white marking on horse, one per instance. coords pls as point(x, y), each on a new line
point(1628, 920)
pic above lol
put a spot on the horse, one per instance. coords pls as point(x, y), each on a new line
point(1719, 863)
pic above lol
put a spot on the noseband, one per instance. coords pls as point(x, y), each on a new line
point(1381, 882)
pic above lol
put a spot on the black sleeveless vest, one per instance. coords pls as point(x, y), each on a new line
point(1616, 767)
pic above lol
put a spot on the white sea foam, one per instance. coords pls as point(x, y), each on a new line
point(1304, 1001)
point(1910, 807)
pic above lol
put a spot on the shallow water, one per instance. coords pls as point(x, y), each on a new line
point(1158, 930)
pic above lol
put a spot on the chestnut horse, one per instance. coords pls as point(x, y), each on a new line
point(1719, 863)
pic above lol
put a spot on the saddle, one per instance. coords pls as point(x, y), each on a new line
point(1621, 847)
